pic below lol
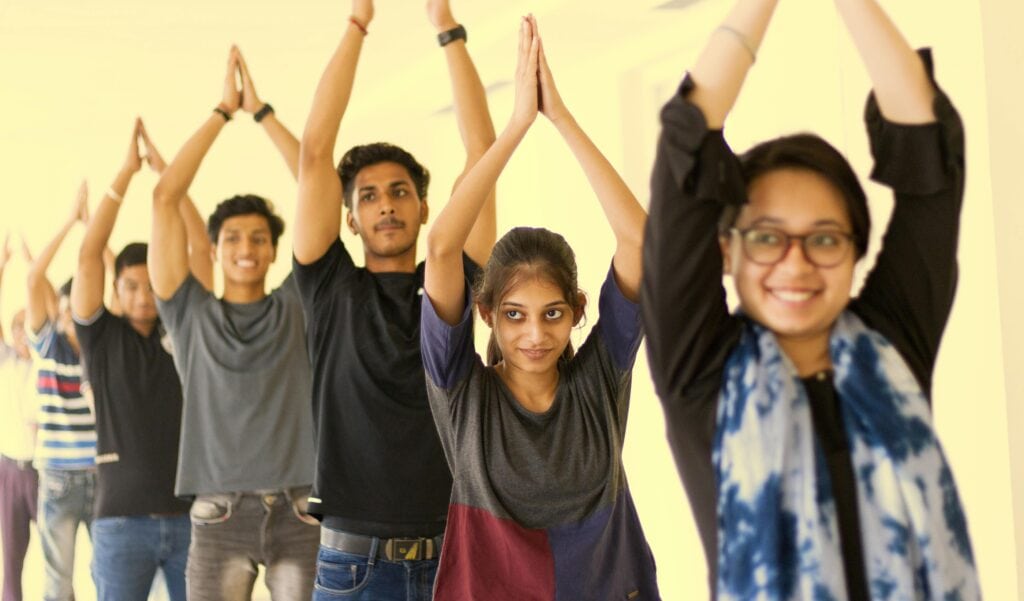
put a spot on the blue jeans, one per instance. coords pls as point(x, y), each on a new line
point(65, 501)
point(128, 550)
point(341, 575)
point(235, 532)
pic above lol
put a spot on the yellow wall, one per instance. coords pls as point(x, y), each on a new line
point(75, 74)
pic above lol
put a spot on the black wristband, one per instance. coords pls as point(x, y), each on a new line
point(447, 37)
point(222, 113)
point(263, 112)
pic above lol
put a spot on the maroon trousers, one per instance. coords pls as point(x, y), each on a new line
point(19, 492)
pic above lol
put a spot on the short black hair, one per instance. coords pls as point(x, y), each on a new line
point(365, 155)
point(132, 254)
point(811, 152)
point(65, 289)
point(245, 204)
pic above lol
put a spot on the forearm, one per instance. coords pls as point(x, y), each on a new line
point(285, 142)
point(331, 98)
point(470, 99)
point(36, 312)
point(477, 132)
point(452, 227)
point(620, 206)
point(101, 225)
point(723, 64)
point(37, 270)
point(177, 177)
point(901, 84)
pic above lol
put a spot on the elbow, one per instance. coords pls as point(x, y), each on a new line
point(162, 196)
point(35, 278)
point(315, 149)
point(200, 247)
point(90, 250)
point(439, 246)
point(478, 144)
point(632, 239)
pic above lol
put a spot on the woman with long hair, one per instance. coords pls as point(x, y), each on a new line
point(540, 506)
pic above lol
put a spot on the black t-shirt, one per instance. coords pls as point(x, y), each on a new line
point(380, 469)
point(907, 296)
point(137, 396)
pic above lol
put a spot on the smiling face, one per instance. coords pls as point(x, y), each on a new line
point(794, 298)
point(245, 249)
point(532, 324)
point(386, 211)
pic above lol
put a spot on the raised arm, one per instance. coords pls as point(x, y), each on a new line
point(287, 144)
point(318, 217)
point(87, 285)
point(475, 125)
point(51, 294)
point(901, 84)
point(444, 279)
point(722, 66)
point(39, 287)
point(683, 302)
point(620, 206)
point(168, 258)
point(200, 263)
point(5, 258)
point(917, 142)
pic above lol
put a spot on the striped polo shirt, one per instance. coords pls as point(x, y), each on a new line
point(66, 438)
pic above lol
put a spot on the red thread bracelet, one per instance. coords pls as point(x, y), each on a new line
point(359, 25)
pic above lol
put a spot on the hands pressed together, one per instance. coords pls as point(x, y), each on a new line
point(242, 96)
point(535, 85)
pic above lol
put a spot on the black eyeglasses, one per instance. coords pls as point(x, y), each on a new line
point(767, 246)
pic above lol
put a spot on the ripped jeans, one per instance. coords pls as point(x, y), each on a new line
point(233, 533)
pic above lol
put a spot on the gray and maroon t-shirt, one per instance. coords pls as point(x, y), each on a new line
point(540, 506)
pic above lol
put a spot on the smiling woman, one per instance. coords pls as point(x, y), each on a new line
point(802, 424)
point(535, 438)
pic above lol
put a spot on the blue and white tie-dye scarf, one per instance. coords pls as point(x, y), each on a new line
point(778, 533)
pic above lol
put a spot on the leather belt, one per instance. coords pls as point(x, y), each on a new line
point(392, 549)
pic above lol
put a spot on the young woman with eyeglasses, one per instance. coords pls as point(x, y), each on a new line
point(801, 425)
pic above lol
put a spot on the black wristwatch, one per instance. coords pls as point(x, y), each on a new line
point(447, 37)
point(263, 112)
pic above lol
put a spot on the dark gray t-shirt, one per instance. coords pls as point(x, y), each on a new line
point(542, 498)
point(245, 374)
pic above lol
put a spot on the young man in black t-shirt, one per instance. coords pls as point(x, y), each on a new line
point(382, 484)
point(138, 525)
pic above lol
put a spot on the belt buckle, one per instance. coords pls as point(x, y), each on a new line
point(407, 549)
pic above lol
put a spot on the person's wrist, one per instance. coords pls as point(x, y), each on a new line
point(519, 124)
point(224, 111)
point(263, 112)
point(114, 195)
point(560, 118)
point(361, 23)
point(445, 24)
